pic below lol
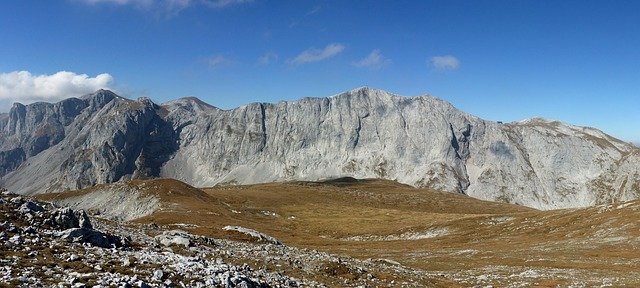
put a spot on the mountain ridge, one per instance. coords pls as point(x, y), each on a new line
point(422, 141)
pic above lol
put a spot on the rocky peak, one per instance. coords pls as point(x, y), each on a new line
point(190, 104)
point(363, 133)
point(108, 95)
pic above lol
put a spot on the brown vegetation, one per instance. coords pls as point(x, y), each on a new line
point(501, 242)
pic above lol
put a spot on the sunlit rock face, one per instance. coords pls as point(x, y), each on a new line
point(364, 133)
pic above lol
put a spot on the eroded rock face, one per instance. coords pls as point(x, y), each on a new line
point(77, 143)
point(363, 133)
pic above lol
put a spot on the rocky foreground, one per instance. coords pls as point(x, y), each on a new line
point(47, 246)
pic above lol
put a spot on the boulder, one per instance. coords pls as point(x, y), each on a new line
point(30, 207)
point(66, 218)
point(174, 237)
point(93, 237)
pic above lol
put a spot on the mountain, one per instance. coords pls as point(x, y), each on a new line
point(364, 133)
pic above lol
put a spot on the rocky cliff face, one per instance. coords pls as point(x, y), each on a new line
point(363, 133)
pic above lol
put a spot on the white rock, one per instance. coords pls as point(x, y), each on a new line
point(158, 275)
point(176, 237)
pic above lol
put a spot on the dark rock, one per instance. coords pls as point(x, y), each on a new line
point(30, 230)
point(30, 207)
point(66, 218)
point(93, 237)
point(17, 200)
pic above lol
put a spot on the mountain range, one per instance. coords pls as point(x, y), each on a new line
point(363, 133)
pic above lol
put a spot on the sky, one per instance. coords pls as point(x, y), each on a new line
point(573, 61)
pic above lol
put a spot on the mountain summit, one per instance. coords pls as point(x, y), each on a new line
point(363, 133)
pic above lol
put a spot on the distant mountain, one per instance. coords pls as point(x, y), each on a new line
point(364, 133)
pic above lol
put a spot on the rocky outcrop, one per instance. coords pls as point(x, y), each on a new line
point(66, 218)
point(78, 143)
point(63, 223)
point(93, 237)
point(259, 236)
point(364, 133)
point(174, 237)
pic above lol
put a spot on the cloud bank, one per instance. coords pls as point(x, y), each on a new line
point(315, 55)
point(375, 60)
point(445, 63)
point(24, 87)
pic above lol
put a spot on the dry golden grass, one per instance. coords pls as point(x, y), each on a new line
point(484, 238)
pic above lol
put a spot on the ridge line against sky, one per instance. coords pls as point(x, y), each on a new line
point(573, 61)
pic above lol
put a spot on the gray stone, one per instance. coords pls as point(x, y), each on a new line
point(174, 237)
point(158, 275)
point(29, 230)
point(253, 233)
point(30, 207)
point(90, 236)
point(17, 200)
point(364, 133)
point(66, 218)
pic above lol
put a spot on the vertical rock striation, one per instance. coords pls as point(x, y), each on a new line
point(364, 133)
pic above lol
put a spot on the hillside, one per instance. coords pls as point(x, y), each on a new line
point(437, 238)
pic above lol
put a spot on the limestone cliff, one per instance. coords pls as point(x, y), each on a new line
point(364, 133)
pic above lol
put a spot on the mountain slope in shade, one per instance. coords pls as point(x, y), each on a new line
point(364, 133)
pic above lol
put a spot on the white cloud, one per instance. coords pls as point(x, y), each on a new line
point(315, 55)
point(23, 87)
point(218, 61)
point(268, 58)
point(315, 10)
point(445, 62)
point(171, 7)
point(224, 3)
point(375, 60)
point(120, 2)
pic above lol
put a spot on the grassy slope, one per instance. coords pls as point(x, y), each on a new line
point(484, 238)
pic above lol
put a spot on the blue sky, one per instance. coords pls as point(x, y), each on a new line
point(575, 61)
